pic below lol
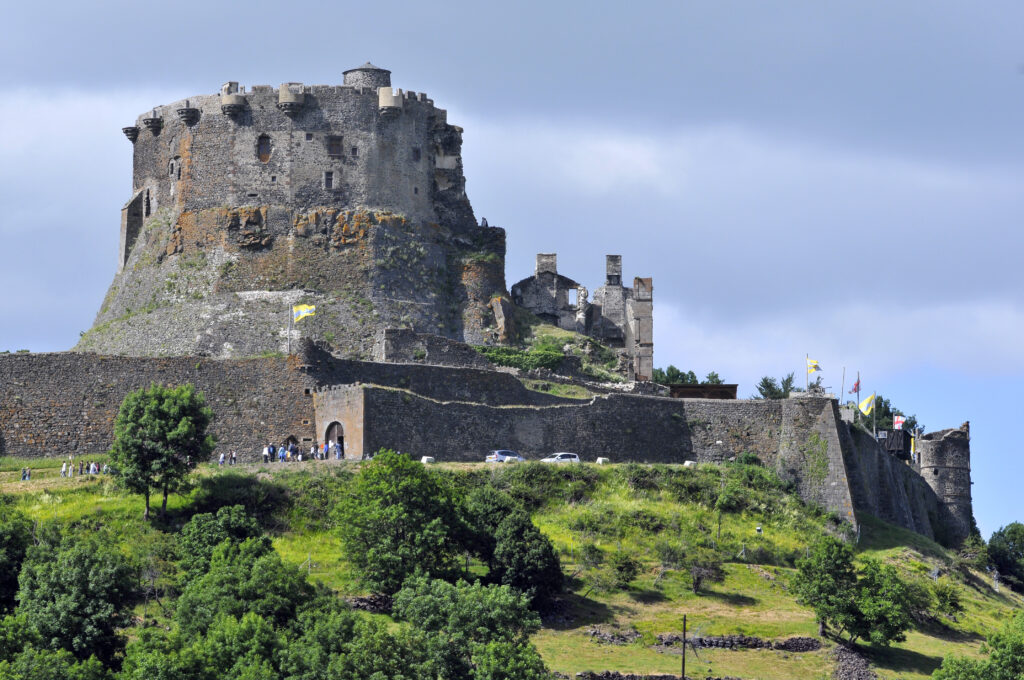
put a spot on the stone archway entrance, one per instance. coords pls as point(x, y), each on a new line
point(336, 435)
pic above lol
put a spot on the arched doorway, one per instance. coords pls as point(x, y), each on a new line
point(335, 435)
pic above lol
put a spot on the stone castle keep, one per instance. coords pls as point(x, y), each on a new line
point(352, 198)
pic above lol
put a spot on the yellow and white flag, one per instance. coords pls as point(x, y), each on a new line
point(812, 366)
point(300, 312)
point(868, 405)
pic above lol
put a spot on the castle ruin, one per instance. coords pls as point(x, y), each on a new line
point(352, 198)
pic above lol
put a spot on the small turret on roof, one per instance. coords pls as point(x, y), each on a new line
point(368, 75)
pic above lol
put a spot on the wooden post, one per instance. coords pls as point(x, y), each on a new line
point(684, 647)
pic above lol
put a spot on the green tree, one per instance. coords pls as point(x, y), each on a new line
point(15, 538)
point(770, 388)
point(1005, 661)
point(397, 519)
point(75, 591)
point(334, 642)
point(48, 664)
point(883, 413)
point(1006, 552)
point(826, 582)
point(485, 509)
point(462, 624)
point(882, 614)
point(525, 559)
point(159, 437)
point(673, 376)
point(243, 577)
point(712, 378)
point(206, 531)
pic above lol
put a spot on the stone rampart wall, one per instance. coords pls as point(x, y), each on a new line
point(441, 383)
point(886, 486)
point(66, 402)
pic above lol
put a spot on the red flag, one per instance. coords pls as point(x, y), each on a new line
point(856, 387)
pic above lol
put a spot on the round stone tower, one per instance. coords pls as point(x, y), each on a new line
point(945, 464)
point(244, 203)
point(368, 75)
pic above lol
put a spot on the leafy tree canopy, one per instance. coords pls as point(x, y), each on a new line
point(525, 559)
point(398, 518)
point(673, 376)
point(15, 538)
point(1006, 552)
point(159, 437)
point(243, 577)
point(1005, 660)
point(472, 631)
point(770, 388)
point(206, 531)
point(75, 591)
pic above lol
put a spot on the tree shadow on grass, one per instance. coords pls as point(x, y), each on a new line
point(575, 611)
point(734, 599)
point(265, 500)
point(646, 596)
point(902, 660)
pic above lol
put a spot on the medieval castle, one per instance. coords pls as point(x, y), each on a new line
point(352, 198)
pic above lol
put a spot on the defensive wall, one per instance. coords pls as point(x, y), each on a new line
point(66, 403)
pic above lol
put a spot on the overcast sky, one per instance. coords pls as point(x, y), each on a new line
point(839, 179)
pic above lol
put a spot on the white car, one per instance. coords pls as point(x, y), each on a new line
point(561, 458)
point(504, 456)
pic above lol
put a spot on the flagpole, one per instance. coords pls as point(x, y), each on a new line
point(289, 330)
point(807, 373)
point(858, 390)
point(842, 390)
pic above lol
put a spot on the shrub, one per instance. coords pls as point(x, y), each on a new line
point(524, 558)
point(625, 567)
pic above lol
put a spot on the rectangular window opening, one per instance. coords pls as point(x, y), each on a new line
point(416, 155)
point(355, 151)
point(334, 147)
point(328, 180)
point(309, 136)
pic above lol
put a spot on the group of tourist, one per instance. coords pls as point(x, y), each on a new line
point(231, 458)
point(84, 468)
point(289, 451)
point(26, 474)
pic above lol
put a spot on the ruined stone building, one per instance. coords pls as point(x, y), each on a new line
point(352, 198)
point(619, 317)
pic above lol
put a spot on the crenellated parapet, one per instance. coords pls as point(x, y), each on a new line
point(363, 143)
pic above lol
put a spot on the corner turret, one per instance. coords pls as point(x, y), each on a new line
point(945, 464)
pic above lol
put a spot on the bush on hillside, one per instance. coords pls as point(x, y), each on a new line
point(75, 591)
point(525, 559)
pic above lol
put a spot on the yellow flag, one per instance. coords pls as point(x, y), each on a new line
point(300, 312)
point(867, 405)
point(812, 366)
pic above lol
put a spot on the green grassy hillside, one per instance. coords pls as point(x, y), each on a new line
point(594, 515)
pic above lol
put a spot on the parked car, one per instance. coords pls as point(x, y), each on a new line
point(561, 457)
point(504, 456)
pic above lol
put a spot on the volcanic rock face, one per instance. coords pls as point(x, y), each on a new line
point(350, 198)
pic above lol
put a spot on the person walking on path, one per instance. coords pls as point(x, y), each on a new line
point(64, 469)
point(220, 461)
point(266, 454)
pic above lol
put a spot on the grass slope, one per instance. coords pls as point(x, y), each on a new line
point(585, 510)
